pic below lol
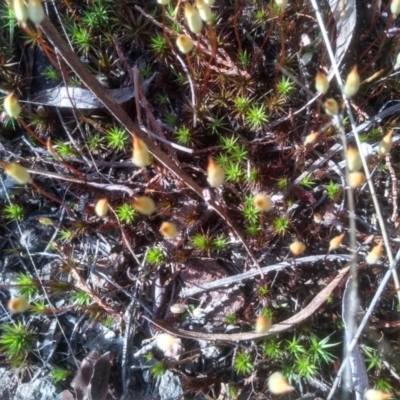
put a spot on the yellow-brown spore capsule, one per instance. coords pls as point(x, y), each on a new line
point(204, 11)
point(193, 18)
point(141, 155)
point(353, 159)
point(395, 8)
point(321, 82)
point(374, 394)
point(297, 248)
point(263, 324)
point(352, 83)
point(11, 106)
point(336, 242)
point(385, 145)
point(36, 11)
point(101, 208)
point(277, 384)
point(18, 172)
point(165, 341)
point(45, 221)
point(281, 3)
point(356, 179)
point(18, 304)
point(375, 254)
point(20, 11)
point(184, 44)
point(331, 107)
point(215, 173)
point(311, 138)
point(178, 308)
point(144, 205)
point(168, 229)
point(317, 218)
point(262, 202)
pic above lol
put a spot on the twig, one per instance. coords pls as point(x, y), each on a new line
point(394, 188)
point(391, 370)
point(333, 150)
point(104, 186)
point(139, 97)
point(56, 230)
point(71, 138)
point(351, 324)
point(352, 304)
point(185, 69)
point(52, 198)
point(125, 350)
point(84, 287)
point(136, 86)
point(362, 127)
point(231, 280)
point(161, 139)
point(126, 292)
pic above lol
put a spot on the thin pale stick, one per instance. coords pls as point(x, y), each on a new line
point(103, 186)
point(232, 280)
point(394, 188)
point(366, 170)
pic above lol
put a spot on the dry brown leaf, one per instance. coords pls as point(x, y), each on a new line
point(84, 374)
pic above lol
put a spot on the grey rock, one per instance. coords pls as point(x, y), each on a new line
point(39, 389)
point(9, 184)
point(170, 387)
point(52, 337)
point(10, 278)
point(99, 337)
point(147, 376)
point(30, 240)
point(8, 383)
point(208, 351)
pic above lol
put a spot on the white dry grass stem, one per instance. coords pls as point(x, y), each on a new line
point(191, 88)
point(351, 324)
point(353, 304)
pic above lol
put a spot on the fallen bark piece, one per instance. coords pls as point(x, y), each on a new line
point(306, 312)
point(83, 99)
point(359, 376)
point(221, 302)
point(91, 379)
